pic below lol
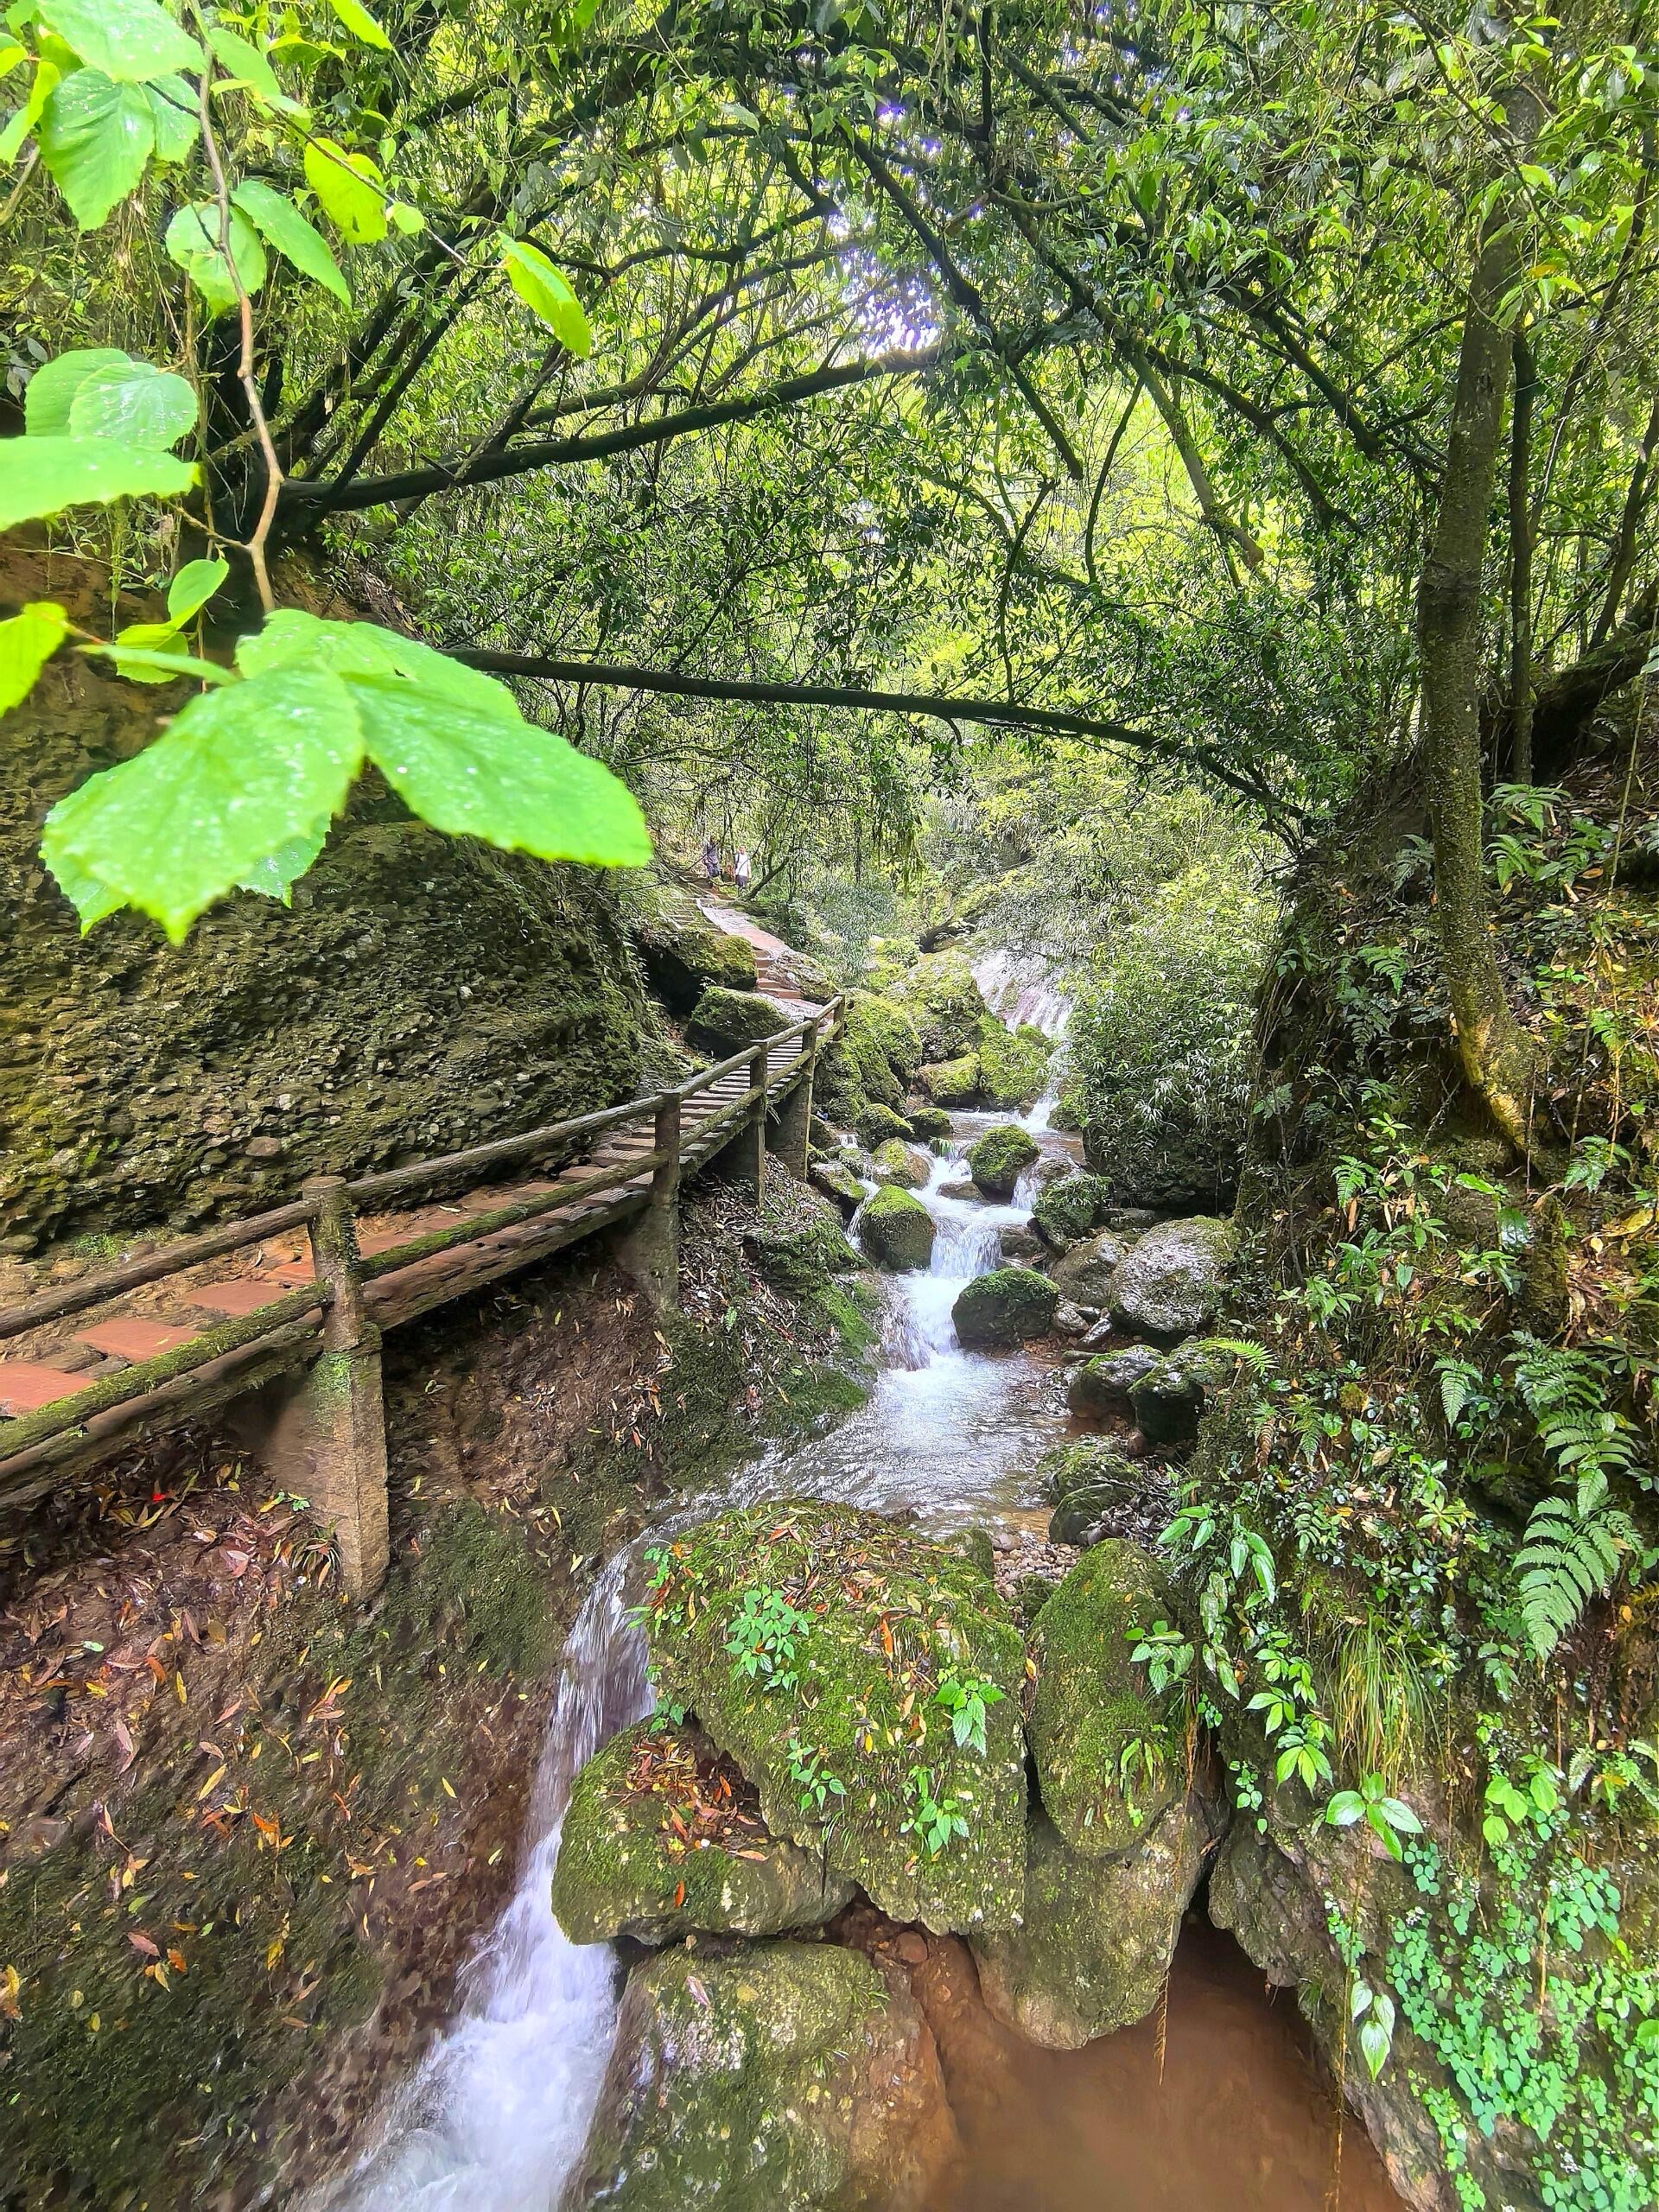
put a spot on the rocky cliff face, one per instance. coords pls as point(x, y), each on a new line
point(422, 994)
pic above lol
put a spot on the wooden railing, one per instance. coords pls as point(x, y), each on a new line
point(290, 1328)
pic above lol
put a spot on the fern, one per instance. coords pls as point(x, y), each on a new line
point(1566, 1394)
point(1565, 1559)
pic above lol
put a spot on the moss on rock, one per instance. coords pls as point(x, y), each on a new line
point(876, 1123)
point(683, 952)
point(1088, 1484)
point(1109, 1761)
point(1012, 1063)
point(1171, 1396)
point(996, 1160)
point(895, 1162)
point(946, 1003)
point(723, 1021)
point(1067, 1208)
point(803, 1256)
point(897, 1229)
point(925, 1122)
point(792, 2077)
point(659, 1842)
point(872, 1060)
point(1170, 1284)
point(1087, 1272)
point(952, 1083)
point(1008, 1307)
point(1102, 1388)
point(875, 1618)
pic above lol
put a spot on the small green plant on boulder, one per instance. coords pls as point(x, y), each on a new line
point(996, 1161)
point(1012, 1063)
point(1069, 1207)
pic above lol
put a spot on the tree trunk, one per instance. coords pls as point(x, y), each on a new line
point(1521, 563)
point(1499, 1058)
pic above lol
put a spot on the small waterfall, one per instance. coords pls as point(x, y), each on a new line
point(967, 1242)
point(498, 2112)
point(1024, 987)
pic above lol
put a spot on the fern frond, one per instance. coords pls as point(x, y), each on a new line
point(1565, 1559)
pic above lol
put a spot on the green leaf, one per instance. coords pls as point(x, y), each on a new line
point(280, 223)
point(193, 241)
point(1345, 1808)
point(240, 772)
point(1400, 1816)
point(407, 220)
point(132, 41)
point(547, 293)
point(53, 387)
point(274, 877)
point(27, 643)
point(192, 588)
point(141, 652)
point(90, 899)
point(96, 137)
point(178, 124)
point(477, 774)
point(11, 139)
point(1375, 2042)
point(132, 401)
point(249, 66)
point(360, 24)
point(292, 637)
point(42, 476)
point(348, 189)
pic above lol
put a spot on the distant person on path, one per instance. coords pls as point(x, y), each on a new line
point(742, 875)
point(711, 862)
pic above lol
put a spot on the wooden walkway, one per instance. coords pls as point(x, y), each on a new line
point(176, 1333)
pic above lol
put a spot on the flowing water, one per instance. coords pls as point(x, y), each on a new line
point(495, 2117)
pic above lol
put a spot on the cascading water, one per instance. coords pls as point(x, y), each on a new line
point(498, 2113)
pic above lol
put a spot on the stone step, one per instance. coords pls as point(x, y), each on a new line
point(235, 1296)
point(130, 1337)
point(28, 1385)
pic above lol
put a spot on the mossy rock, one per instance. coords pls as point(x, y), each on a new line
point(1012, 1063)
point(897, 1230)
point(723, 1021)
point(792, 2077)
point(1089, 1484)
point(952, 1083)
point(877, 1123)
point(928, 1121)
point(1171, 1396)
point(942, 999)
point(895, 1162)
point(1092, 1704)
point(886, 1613)
point(684, 953)
point(1086, 1272)
point(1098, 1936)
point(803, 1258)
point(1020, 1245)
point(996, 1161)
point(1170, 1285)
point(838, 1182)
point(872, 1060)
point(1067, 1208)
point(1102, 1388)
point(1008, 1307)
point(625, 1869)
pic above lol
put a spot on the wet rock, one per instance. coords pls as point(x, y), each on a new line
point(1094, 1488)
point(952, 1083)
point(801, 1259)
point(881, 1614)
point(1068, 1208)
point(1008, 1307)
point(837, 1182)
point(623, 1870)
point(1130, 1221)
point(995, 1162)
point(1110, 1756)
point(895, 1162)
point(1012, 1063)
point(1170, 1398)
point(723, 1021)
point(976, 1544)
point(1088, 1271)
point(959, 1187)
point(1169, 1284)
point(1019, 1242)
point(897, 1229)
point(1098, 1935)
point(942, 999)
point(928, 1121)
point(1069, 1320)
point(794, 2077)
point(684, 953)
point(1102, 1388)
point(877, 1123)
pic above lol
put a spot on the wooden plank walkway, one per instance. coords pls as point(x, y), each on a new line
point(303, 1281)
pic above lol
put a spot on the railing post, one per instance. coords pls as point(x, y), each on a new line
point(792, 1137)
point(326, 1439)
point(648, 1248)
point(751, 1137)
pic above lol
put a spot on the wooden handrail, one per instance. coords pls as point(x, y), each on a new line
point(506, 1217)
point(497, 1153)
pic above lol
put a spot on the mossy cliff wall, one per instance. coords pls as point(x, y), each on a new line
point(423, 993)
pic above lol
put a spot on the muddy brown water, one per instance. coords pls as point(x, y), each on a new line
point(1236, 2116)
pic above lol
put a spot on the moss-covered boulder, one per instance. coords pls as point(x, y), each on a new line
point(926, 1122)
point(793, 2077)
point(1093, 1487)
point(895, 1162)
point(684, 953)
point(1086, 1272)
point(1109, 1756)
point(1171, 1396)
point(1170, 1284)
point(662, 1837)
point(1102, 1388)
point(1012, 1063)
point(1067, 1208)
point(897, 1230)
point(838, 1182)
point(952, 1083)
point(1098, 1935)
point(872, 1060)
point(996, 1160)
point(875, 1123)
point(942, 999)
point(801, 1255)
point(723, 1021)
point(1008, 1307)
point(826, 1650)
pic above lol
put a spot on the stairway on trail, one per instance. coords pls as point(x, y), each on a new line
point(773, 978)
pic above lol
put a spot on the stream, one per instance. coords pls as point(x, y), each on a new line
point(1227, 2106)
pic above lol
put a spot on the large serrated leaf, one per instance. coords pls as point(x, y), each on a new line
point(42, 476)
point(131, 401)
point(53, 387)
point(132, 41)
point(480, 775)
point(283, 227)
point(96, 137)
point(174, 112)
point(240, 772)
